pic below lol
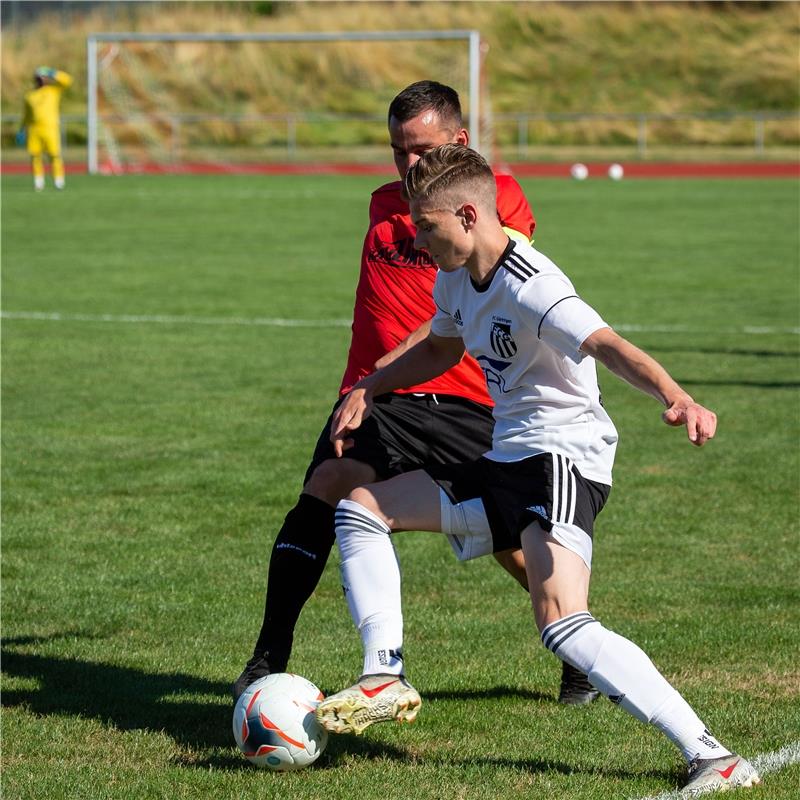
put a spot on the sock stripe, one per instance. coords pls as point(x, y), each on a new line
point(556, 644)
point(361, 521)
point(556, 629)
point(562, 623)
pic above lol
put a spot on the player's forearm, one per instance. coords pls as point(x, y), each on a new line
point(413, 338)
point(634, 366)
point(427, 359)
point(54, 76)
point(63, 79)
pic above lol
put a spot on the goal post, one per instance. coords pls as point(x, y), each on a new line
point(470, 37)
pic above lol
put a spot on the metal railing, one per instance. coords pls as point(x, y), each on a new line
point(516, 127)
point(644, 122)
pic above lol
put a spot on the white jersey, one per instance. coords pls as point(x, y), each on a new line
point(525, 328)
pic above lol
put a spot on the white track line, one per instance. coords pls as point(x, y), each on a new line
point(277, 322)
point(764, 764)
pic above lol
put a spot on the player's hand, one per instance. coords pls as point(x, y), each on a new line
point(700, 422)
point(349, 416)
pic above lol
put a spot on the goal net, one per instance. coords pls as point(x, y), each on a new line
point(232, 102)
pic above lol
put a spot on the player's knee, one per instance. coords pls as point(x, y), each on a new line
point(364, 497)
point(334, 479)
point(548, 609)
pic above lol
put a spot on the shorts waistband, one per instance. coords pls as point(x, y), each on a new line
point(423, 396)
point(438, 398)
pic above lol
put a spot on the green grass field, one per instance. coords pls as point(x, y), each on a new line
point(156, 428)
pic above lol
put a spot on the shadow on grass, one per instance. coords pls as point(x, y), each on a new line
point(667, 774)
point(180, 705)
point(340, 747)
point(722, 351)
point(352, 748)
point(738, 382)
point(493, 693)
point(125, 697)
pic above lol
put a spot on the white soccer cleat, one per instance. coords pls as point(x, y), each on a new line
point(375, 698)
point(719, 775)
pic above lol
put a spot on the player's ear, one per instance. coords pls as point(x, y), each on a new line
point(462, 137)
point(469, 215)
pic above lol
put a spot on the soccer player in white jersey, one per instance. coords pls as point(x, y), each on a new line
point(545, 479)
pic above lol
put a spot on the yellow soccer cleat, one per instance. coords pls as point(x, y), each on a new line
point(375, 698)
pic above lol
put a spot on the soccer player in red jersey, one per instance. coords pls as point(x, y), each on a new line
point(443, 420)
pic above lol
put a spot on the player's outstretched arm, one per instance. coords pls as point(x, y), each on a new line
point(427, 359)
point(415, 336)
point(63, 79)
point(645, 373)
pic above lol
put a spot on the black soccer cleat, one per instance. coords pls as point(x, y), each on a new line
point(575, 687)
point(257, 667)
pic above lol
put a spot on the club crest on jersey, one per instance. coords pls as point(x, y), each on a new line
point(500, 337)
point(491, 369)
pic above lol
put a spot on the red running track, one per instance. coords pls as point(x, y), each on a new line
point(678, 169)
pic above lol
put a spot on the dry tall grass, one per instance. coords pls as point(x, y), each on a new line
point(554, 57)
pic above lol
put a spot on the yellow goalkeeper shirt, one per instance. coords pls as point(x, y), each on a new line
point(42, 104)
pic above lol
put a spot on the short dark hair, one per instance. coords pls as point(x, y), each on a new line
point(427, 96)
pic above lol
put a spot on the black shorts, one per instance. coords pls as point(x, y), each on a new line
point(405, 432)
point(546, 488)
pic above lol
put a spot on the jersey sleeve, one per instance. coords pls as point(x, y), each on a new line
point(442, 323)
point(558, 316)
point(63, 79)
point(513, 208)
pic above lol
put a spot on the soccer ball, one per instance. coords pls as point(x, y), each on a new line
point(579, 171)
point(615, 172)
point(274, 723)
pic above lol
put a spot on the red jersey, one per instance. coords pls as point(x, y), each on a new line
point(395, 289)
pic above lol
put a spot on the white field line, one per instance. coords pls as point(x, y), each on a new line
point(168, 319)
point(764, 764)
point(278, 322)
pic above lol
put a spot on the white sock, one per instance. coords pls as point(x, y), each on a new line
point(624, 673)
point(371, 583)
point(38, 183)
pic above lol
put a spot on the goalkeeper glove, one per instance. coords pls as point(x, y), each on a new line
point(21, 138)
point(45, 72)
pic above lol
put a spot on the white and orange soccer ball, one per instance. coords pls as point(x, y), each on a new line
point(274, 723)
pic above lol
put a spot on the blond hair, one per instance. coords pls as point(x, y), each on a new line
point(451, 168)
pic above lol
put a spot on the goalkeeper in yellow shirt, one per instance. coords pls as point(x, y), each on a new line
point(41, 124)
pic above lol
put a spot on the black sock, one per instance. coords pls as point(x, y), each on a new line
point(298, 558)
